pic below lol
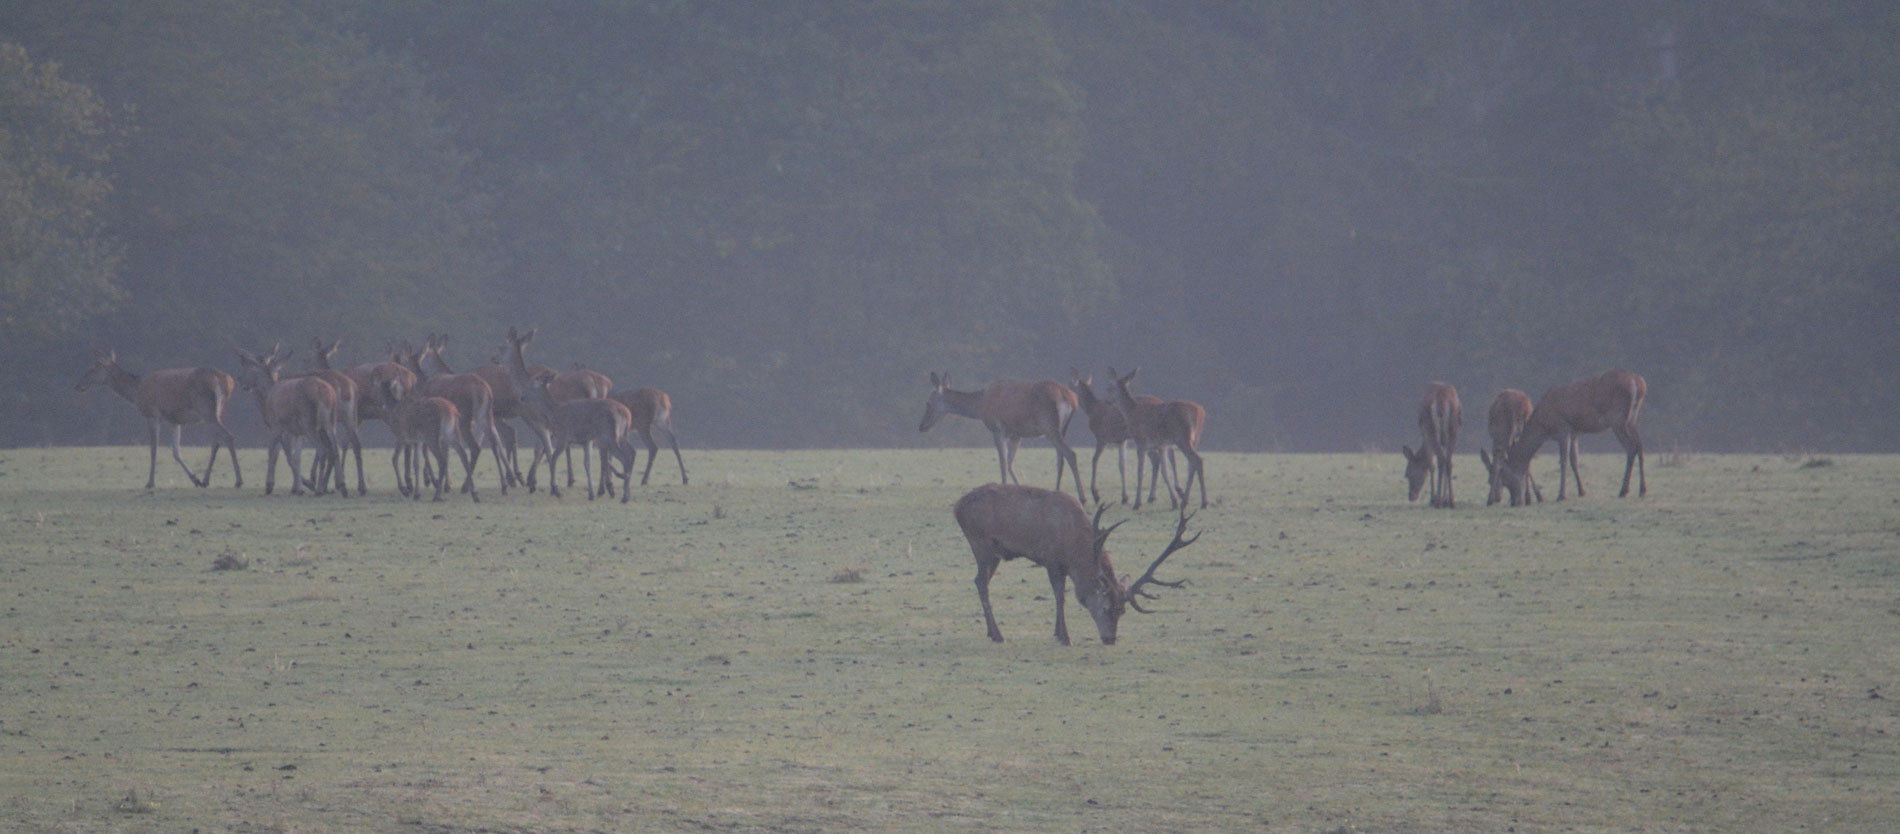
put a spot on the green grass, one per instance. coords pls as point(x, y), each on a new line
point(1718, 657)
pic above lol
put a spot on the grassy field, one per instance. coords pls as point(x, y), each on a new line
point(793, 644)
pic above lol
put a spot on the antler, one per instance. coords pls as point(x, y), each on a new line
point(1134, 589)
point(1101, 535)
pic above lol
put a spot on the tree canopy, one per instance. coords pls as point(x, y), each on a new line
point(785, 214)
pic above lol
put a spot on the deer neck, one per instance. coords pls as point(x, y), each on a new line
point(963, 403)
point(123, 382)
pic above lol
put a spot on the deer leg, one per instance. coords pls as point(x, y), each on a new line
point(1632, 457)
point(1009, 460)
point(627, 455)
point(986, 568)
point(356, 445)
point(675, 441)
point(1056, 577)
point(1444, 462)
point(151, 472)
point(587, 465)
point(1141, 461)
point(1066, 453)
point(570, 464)
point(441, 450)
point(230, 443)
point(1575, 473)
point(178, 434)
point(1195, 473)
point(1095, 463)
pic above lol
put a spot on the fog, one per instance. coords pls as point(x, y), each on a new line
point(787, 214)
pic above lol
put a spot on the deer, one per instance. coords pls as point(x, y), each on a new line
point(1159, 426)
point(1011, 521)
point(1109, 427)
point(370, 378)
point(558, 425)
point(178, 396)
point(1439, 417)
point(349, 397)
point(472, 397)
point(1011, 409)
point(651, 409)
point(424, 426)
point(577, 383)
point(1609, 401)
point(295, 410)
point(1510, 410)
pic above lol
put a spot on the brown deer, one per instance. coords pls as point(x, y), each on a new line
point(425, 426)
point(472, 397)
point(179, 396)
point(1109, 427)
point(1439, 418)
point(1610, 401)
point(1510, 410)
point(652, 409)
point(1011, 409)
point(1159, 426)
point(370, 378)
point(1011, 521)
point(558, 425)
point(348, 415)
point(295, 410)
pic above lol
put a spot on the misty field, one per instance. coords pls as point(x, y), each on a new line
point(793, 644)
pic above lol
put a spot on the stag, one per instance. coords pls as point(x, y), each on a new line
point(1011, 409)
point(1011, 521)
point(1610, 402)
point(179, 396)
point(1439, 418)
point(295, 410)
point(1510, 410)
point(1159, 426)
point(1110, 429)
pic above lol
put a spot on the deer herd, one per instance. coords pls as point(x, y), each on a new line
point(431, 410)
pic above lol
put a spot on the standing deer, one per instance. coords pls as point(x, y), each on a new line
point(349, 397)
point(370, 378)
point(558, 425)
point(1011, 409)
point(1607, 402)
point(1162, 426)
point(1011, 521)
point(295, 410)
point(472, 397)
point(179, 396)
point(652, 409)
point(1439, 418)
point(424, 426)
point(1510, 410)
point(1110, 429)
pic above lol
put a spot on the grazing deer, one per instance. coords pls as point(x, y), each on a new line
point(424, 426)
point(179, 396)
point(1011, 521)
point(651, 409)
point(1439, 418)
point(472, 397)
point(1011, 409)
point(1162, 426)
point(1607, 402)
point(558, 425)
point(295, 410)
point(1510, 410)
point(1110, 429)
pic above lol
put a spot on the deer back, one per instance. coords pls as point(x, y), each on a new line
point(1044, 526)
point(1022, 408)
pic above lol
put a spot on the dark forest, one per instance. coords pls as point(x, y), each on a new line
point(787, 214)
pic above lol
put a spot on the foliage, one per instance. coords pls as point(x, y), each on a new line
point(786, 213)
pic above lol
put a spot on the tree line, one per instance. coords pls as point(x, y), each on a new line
point(787, 214)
